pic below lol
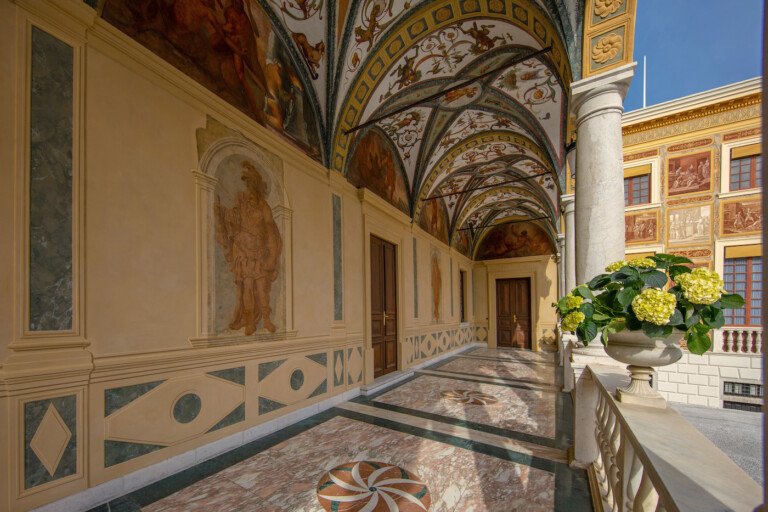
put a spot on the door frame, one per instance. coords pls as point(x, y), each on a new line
point(523, 267)
point(382, 220)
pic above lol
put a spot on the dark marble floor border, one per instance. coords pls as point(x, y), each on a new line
point(544, 386)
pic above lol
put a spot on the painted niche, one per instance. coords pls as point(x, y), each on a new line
point(437, 284)
point(229, 47)
point(247, 237)
point(375, 166)
point(514, 241)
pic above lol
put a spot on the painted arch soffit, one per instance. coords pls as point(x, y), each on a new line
point(386, 67)
point(498, 200)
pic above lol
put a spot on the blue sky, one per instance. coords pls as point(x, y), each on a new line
point(693, 46)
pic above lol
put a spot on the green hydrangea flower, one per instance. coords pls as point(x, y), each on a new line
point(615, 266)
point(701, 286)
point(654, 305)
point(641, 263)
point(572, 320)
point(572, 302)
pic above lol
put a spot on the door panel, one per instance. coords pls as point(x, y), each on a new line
point(513, 313)
point(383, 306)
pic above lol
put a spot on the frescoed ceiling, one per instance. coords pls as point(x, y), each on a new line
point(469, 96)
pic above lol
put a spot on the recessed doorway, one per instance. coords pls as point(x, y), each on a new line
point(513, 312)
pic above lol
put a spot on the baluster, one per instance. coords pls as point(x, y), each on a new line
point(602, 418)
point(647, 498)
point(631, 476)
point(744, 341)
point(760, 342)
point(735, 344)
point(615, 444)
point(726, 339)
point(753, 349)
point(608, 458)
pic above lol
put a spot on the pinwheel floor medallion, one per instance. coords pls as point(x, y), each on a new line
point(470, 397)
point(367, 486)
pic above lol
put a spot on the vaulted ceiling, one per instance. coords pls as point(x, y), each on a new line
point(469, 97)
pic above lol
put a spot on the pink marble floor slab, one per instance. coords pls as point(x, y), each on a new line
point(520, 410)
point(285, 477)
point(544, 374)
point(513, 353)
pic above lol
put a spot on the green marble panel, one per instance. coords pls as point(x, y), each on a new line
point(50, 183)
point(451, 273)
point(236, 375)
point(117, 398)
point(321, 358)
point(34, 472)
point(322, 388)
point(338, 305)
point(266, 368)
point(236, 416)
point(266, 405)
point(297, 380)
point(116, 452)
point(187, 408)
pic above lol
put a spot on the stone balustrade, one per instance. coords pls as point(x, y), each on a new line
point(642, 458)
point(745, 340)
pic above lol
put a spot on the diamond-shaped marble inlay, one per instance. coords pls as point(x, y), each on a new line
point(339, 369)
point(51, 439)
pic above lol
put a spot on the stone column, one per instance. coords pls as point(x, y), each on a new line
point(560, 265)
point(567, 201)
point(597, 103)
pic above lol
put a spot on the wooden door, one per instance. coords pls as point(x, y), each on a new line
point(513, 313)
point(383, 306)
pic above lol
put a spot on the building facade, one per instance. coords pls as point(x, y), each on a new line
point(692, 187)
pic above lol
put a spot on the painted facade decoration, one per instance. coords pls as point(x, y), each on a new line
point(513, 241)
point(252, 245)
point(437, 284)
point(641, 228)
point(375, 165)
point(434, 220)
point(229, 47)
point(689, 226)
point(742, 216)
point(689, 174)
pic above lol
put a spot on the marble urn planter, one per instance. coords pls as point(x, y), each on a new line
point(642, 353)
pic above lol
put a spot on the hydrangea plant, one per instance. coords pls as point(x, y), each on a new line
point(632, 296)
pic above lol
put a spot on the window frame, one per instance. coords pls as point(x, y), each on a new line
point(629, 189)
point(654, 183)
point(748, 308)
point(725, 167)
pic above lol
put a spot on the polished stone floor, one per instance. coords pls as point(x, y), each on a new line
point(485, 430)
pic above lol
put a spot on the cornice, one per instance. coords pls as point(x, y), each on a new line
point(693, 114)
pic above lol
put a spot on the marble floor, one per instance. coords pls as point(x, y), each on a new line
point(485, 430)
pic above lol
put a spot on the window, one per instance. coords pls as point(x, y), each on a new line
point(742, 407)
point(745, 172)
point(743, 389)
point(744, 276)
point(462, 285)
point(637, 190)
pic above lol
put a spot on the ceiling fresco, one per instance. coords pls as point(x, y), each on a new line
point(463, 102)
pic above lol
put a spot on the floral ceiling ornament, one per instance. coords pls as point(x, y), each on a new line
point(604, 8)
point(606, 48)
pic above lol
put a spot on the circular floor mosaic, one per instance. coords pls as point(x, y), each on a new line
point(367, 486)
point(470, 397)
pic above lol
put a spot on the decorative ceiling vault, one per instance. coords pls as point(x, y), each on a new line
point(456, 136)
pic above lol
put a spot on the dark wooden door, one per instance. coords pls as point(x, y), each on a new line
point(513, 313)
point(383, 306)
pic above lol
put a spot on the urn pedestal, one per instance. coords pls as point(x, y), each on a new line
point(642, 353)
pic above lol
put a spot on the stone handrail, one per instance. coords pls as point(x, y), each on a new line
point(745, 340)
point(647, 458)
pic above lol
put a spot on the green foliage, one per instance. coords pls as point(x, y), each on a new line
point(608, 299)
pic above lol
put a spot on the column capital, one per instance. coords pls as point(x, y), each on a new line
point(568, 200)
point(597, 94)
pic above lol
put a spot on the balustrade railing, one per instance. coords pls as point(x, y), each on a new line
point(651, 459)
point(742, 340)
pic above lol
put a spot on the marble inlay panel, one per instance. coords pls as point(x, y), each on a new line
point(543, 374)
point(64, 462)
point(415, 282)
point(50, 183)
point(521, 410)
point(286, 478)
point(338, 310)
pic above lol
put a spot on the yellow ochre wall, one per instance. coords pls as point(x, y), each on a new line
point(117, 377)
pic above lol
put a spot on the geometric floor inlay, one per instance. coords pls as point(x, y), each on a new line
point(464, 396)
point(367, 486)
